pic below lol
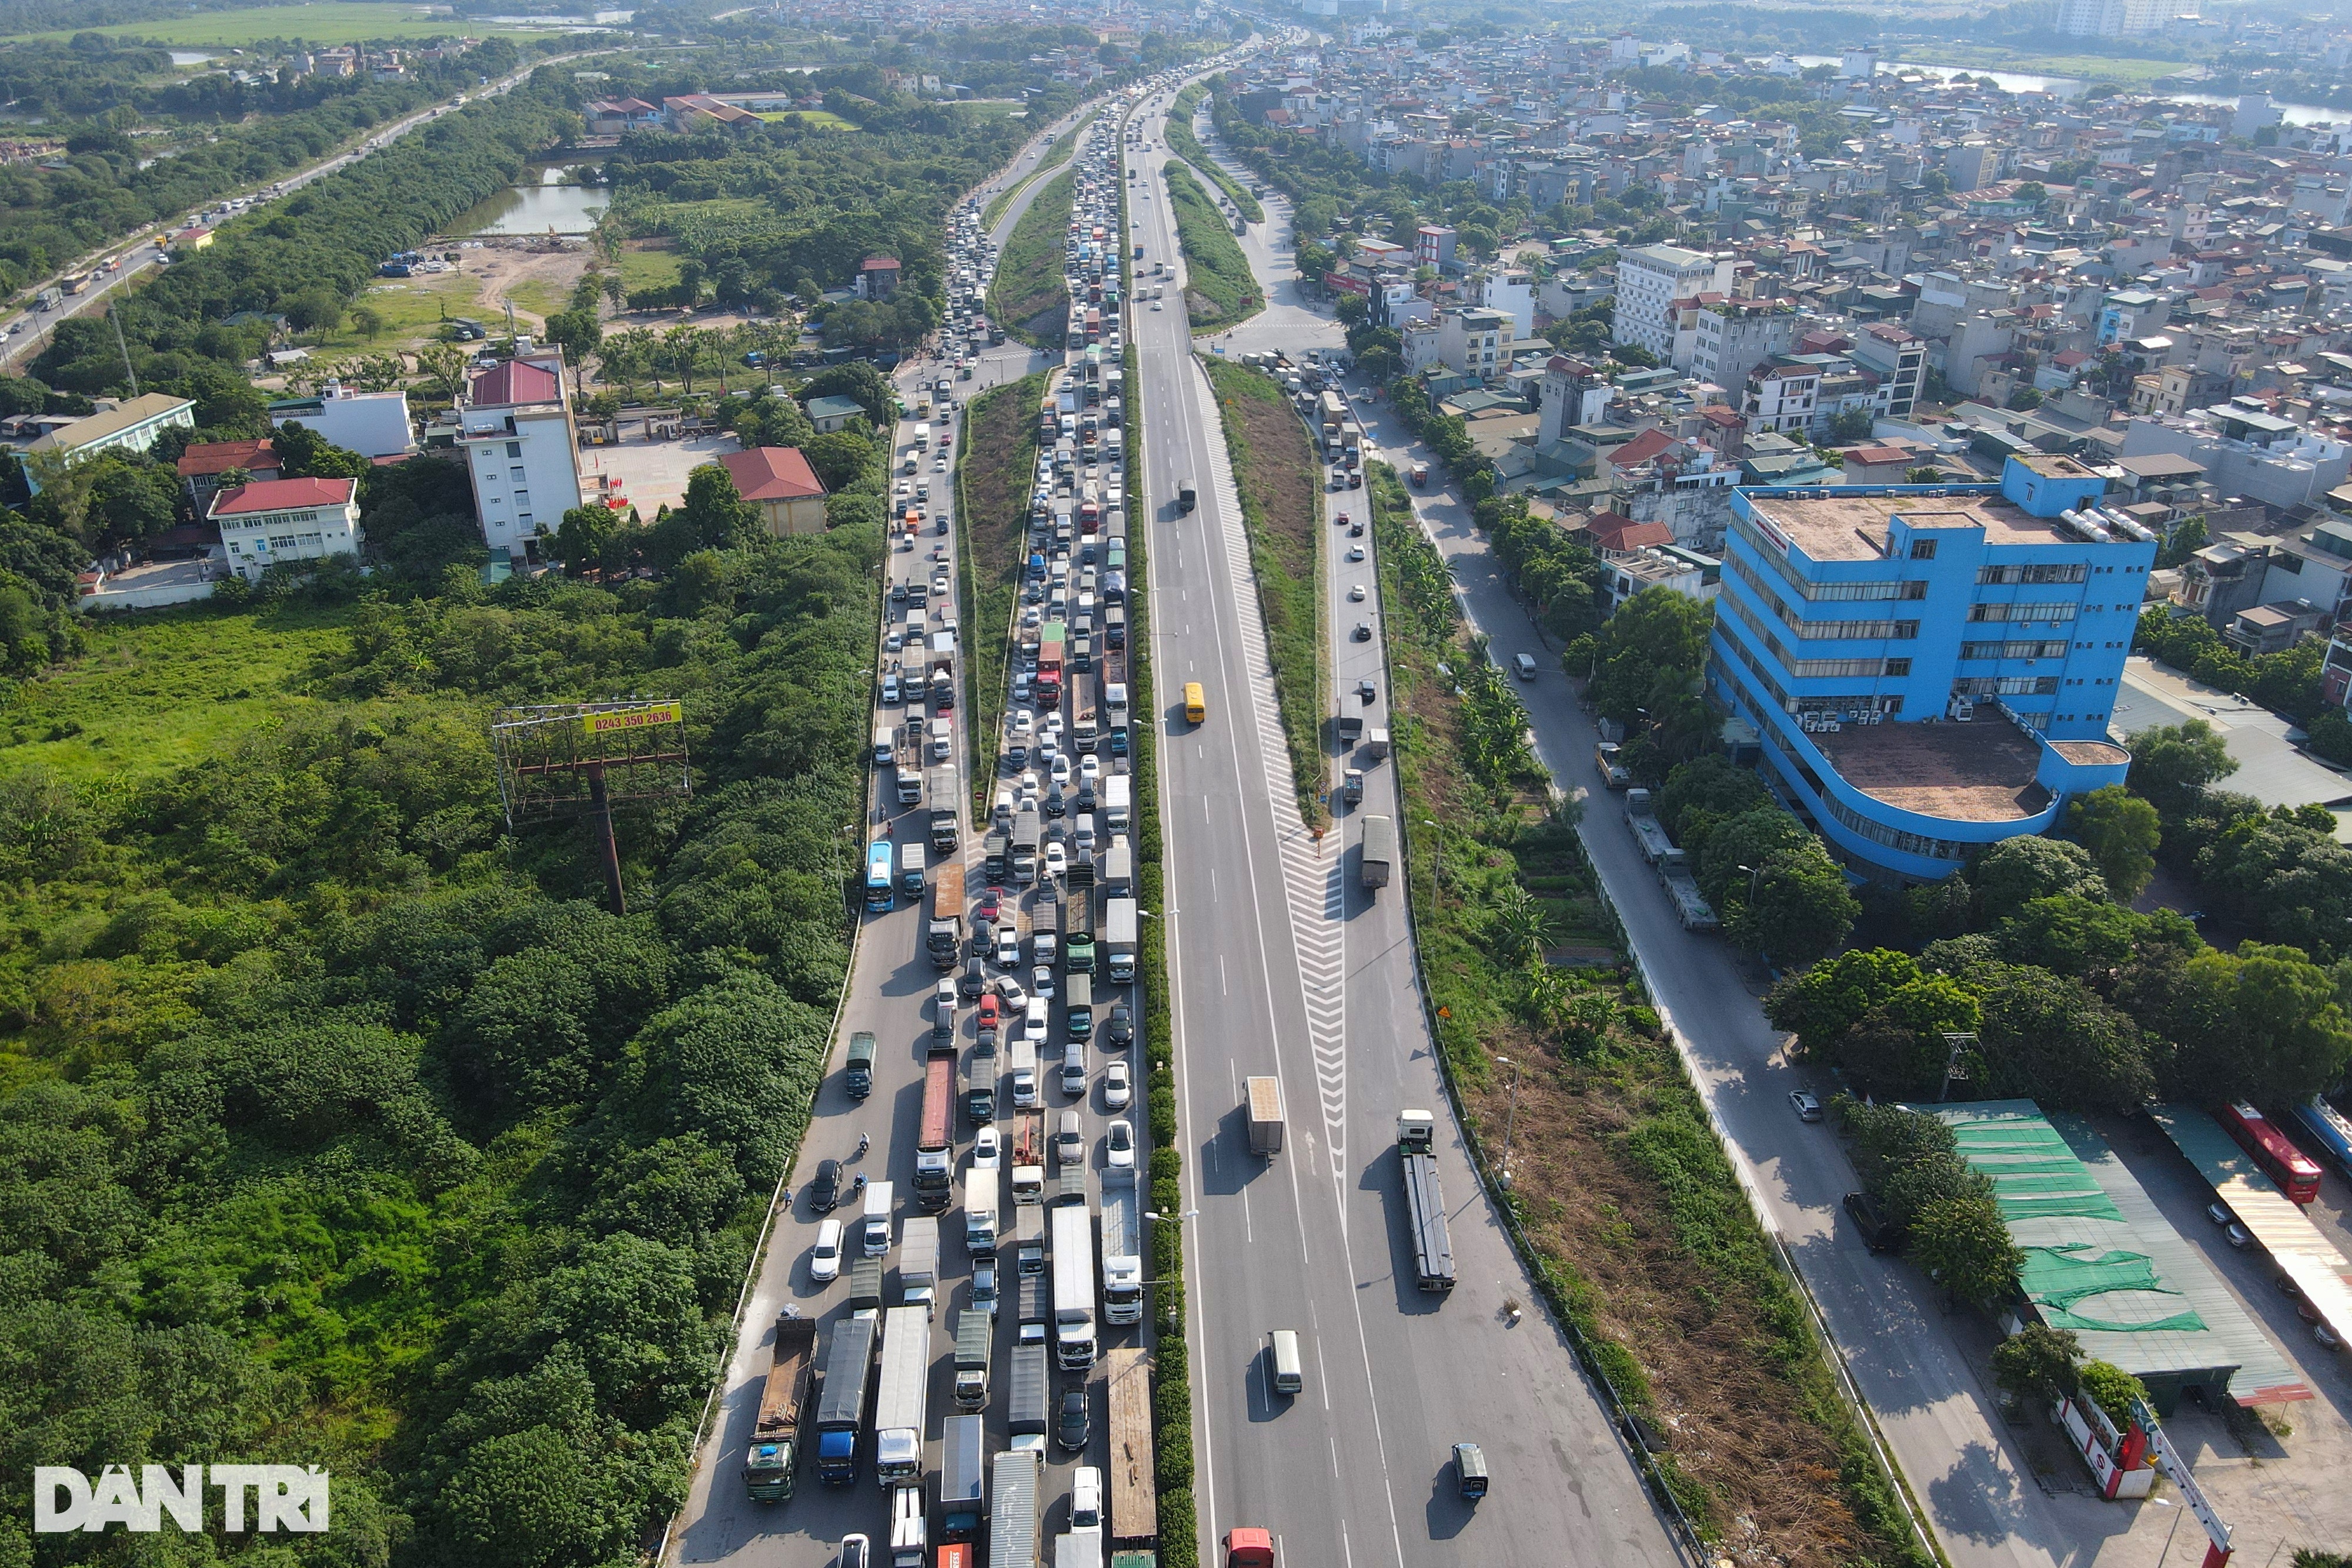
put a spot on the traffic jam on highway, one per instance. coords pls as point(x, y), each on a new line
point(1028, 949)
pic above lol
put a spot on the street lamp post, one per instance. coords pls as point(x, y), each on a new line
point(1436, 860)
point(1510, 1122)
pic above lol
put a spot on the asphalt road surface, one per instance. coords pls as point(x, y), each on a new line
point(1282, 964)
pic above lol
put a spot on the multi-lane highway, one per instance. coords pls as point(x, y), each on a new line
point(1283, 965)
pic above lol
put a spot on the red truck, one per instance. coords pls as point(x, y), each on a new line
point(1049, 673)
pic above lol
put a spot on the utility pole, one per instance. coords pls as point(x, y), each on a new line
point(1510, 1122)
point(1955, 1068)
point(115, 322)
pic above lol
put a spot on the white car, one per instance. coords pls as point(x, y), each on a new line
point(1007, 955)
point(895, 641)
point(1059, 769)
point(1119, 1087)
point(987, 1150)
point(824, 1258)
point(1354, 552)
point(1356, 595)
point(1025, 723)
point(1159, 305)
point(1089, 767)
point(1120, 1147)
point(1057, 860)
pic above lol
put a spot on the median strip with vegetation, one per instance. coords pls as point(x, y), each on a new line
point(1280, 484)
point(1030, 281)
point(1058, 153)
point(993, 464)
point(1186, 145)
point(1622, 1202)
point(1219, 290)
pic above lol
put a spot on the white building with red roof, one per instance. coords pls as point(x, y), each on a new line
point(516, 427)
point(273, 521)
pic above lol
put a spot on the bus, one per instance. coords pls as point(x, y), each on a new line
point(2329, 1128)
point(1196, 703)
point(2297, 1173)
point(879, 894)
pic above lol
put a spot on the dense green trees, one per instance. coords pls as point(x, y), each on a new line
point(337, 1130)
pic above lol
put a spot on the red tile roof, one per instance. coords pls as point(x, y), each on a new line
point(283, 496)
point(772, 473)
point(1878, 456)
point(1610, 530)
point(219, 456)
point(514, 381)
point(1640, 450)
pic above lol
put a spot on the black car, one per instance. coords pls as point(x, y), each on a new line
point(825, 1192)
point(1368, 692)
point(1363, 631)
point(1070, 1428)
point(1355, 531)
point(973, 983)
point(1120, 1027)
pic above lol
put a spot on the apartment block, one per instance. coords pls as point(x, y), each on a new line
point(275, 522)
point(1735, 336)
point(1650, 279)
point(517, 428)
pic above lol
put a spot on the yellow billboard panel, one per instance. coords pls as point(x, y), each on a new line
point(619, 719)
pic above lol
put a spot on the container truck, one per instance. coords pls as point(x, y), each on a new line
point(975, 1332)
point(841, 1406)
point(934, 1148)
point(918, 1264)
point(907, 783)
point(1379, 851)
point(874, 1219)
point(1649, 833)
point(1029, 1244)
point(980, 1210)
point(1433, 1248)
point(1026, 1406)
point(901, 1393)
point(1073, 1287)
point(963, 1478)
point(1118, 877)
point(1122, 1247)
point(1078, 1005)
point(942, 790)
point(1012, 1510)
point(980, 1084)
point(1118, 803)
point(1078, 933)
point(910, 869)
point(1118, 928)
point(865, 1288)
point(943, 939)
point(1025, 833)
point(769, 1468)
point(858, 1075)
point(1028, 1151)
point(885, 745)
point(1264, 1103)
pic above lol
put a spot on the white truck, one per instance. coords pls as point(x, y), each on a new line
point(1118, 803)
point(918, 1264)
point(1012, 1510)
point(1122, 1247)
point(900, 1397)
point(979, 1190)
point(1119, 928)
point(1073, 1287)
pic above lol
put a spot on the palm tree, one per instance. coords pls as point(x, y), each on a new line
point(1522, 924)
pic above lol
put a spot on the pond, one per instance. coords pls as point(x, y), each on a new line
point(548, 207)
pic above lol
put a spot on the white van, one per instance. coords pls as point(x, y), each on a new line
point(1282, 1351)
point(1526, 665)
point(1086, 1498)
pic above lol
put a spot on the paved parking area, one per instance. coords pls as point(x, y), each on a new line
point(651, 473)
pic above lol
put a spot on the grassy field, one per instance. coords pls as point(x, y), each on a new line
point(648, 268)
point(412, 309)
point(816, 119)
point(332, 22)
point(1029, 283)
point(1218, 287)
point(161, 688)
point(1281, 490)
point(1181, 141)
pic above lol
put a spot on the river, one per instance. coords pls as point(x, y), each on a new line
point(2067, 87)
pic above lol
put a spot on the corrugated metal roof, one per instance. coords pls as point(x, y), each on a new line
point(2300, 1248)
point(2103, 1262)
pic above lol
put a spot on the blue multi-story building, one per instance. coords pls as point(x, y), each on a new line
point(1931, 668)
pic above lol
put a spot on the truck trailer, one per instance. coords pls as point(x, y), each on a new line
point(941, 793)
point(934, 1151)
point(902, 1392)
point(1122, 1247)
point(963, 1478)
point(943, 939)
point(1073, 1287)
point(1265, 1105)
point(1012, 1510)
